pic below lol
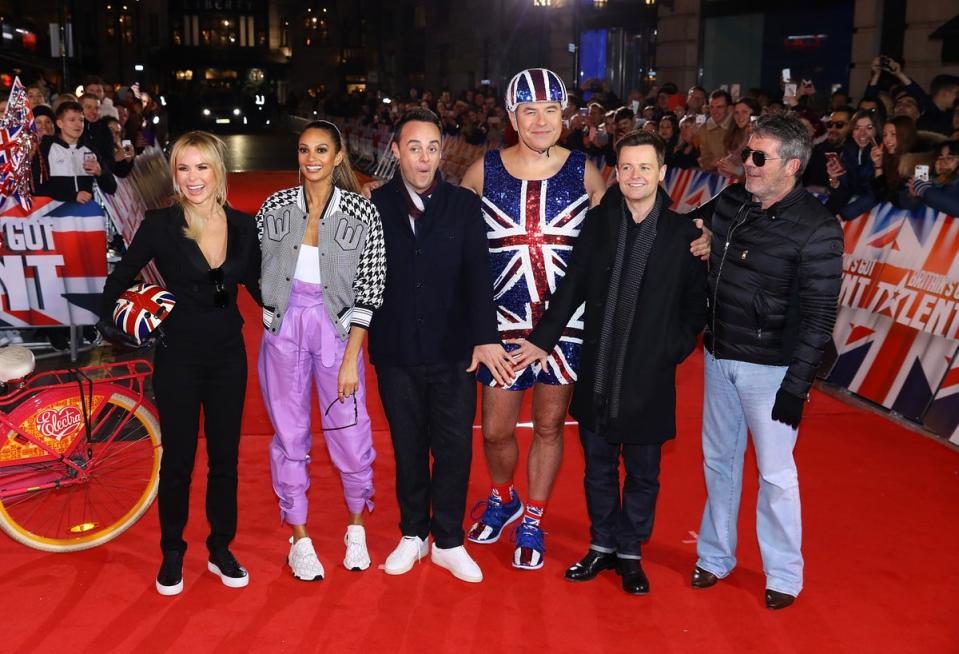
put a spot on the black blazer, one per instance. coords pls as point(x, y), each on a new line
point(670, 313)
point(438, 301)
point(186, 273)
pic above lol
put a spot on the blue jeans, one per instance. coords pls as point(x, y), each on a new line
point(619, 520)
point(740, 396)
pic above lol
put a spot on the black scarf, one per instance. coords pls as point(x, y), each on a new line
point(621, 310)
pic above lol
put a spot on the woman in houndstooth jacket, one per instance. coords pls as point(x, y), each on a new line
point(324, 268)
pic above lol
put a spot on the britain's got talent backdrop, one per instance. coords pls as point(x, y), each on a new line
point(53, 256)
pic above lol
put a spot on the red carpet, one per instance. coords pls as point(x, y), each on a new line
point(879, 503)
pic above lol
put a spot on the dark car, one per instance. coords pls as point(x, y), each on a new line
point(231, 112)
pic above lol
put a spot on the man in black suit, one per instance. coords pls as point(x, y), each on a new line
point(436, 325)
point(645, 305)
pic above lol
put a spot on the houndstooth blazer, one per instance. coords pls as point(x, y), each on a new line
point(351, 250)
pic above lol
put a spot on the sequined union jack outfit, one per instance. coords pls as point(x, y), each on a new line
point(531, 226)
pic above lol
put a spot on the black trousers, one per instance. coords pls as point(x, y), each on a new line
point(189, 374)
point(431, 409)
point(620, 522)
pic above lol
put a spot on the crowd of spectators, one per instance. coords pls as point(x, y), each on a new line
point(865, 153)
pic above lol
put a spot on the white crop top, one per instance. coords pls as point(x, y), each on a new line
point(308, 264)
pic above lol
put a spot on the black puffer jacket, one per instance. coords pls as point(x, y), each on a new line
point(773, 282)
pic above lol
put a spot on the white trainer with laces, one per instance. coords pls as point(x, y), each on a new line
point(459, 562)
point(410, 550)
point(303, 562)
point(357, 556)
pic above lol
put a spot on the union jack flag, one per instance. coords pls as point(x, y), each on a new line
point(529, 256)
point(18, 140)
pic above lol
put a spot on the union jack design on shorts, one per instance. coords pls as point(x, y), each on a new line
point(141, 308)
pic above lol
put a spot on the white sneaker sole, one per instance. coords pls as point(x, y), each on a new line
point(230, 582)
point(528, 567)
point(457, 574)
point(167, 591)
point(513, 518)
point(397, 571)
point(318, 577)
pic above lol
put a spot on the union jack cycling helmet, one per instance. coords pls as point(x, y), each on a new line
point(535, 85)
point(141, 308)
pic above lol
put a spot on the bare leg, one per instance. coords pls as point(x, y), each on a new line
point(299, 531)
point(546, 452)
point(500, 413)
point(356, 518)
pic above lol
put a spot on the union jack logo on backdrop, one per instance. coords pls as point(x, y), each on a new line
point(943, 414)
point(902, 332)
point(141, 309)
point(692, 188)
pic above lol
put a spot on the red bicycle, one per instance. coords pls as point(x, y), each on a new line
point(79, 451)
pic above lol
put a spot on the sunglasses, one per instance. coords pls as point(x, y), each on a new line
point(356, 414)
point(759, 157)
point(838, 124)
point(220, 296)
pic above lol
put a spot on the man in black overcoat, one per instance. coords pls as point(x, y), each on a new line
point(436, 325)
point(645, 306)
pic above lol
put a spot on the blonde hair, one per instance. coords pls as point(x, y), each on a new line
point(343, 175)
point(213, 152)
point(60, 99)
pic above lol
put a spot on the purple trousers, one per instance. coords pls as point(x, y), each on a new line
point(307, 349)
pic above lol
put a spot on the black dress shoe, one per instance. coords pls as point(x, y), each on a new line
point(634, 579)
point(776, 600)
point(703, 578)
point(591, 565)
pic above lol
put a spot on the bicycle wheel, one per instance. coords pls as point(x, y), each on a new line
point(123, 472)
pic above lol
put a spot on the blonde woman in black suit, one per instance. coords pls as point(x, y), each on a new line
point(204, 249)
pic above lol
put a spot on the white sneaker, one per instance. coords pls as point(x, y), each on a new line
point(459, 562)
point(303, 562)
point(357, 557)
point(410, 550)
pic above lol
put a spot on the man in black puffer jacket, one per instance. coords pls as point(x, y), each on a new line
point(773, 287)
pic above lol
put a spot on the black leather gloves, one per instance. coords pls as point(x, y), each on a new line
point(115, 336)
point(788, 408)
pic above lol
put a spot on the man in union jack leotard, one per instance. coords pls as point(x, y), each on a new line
point(535, 197)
